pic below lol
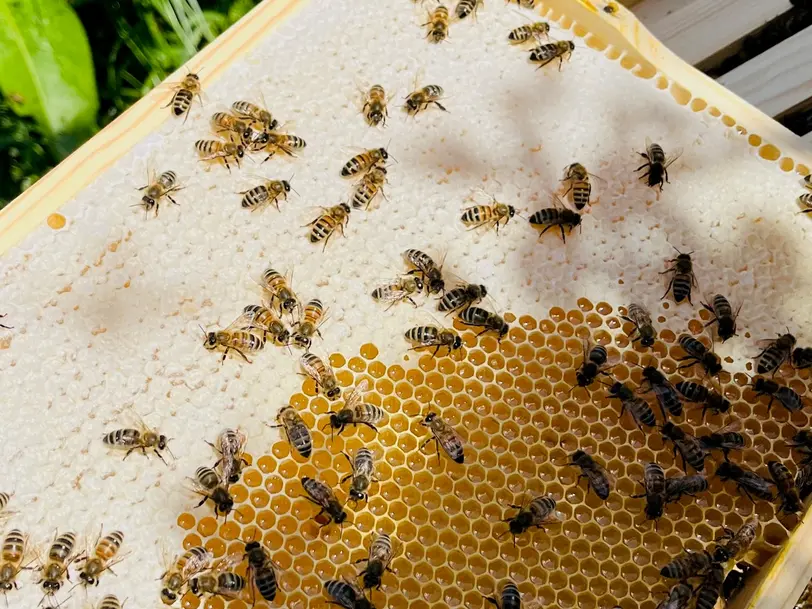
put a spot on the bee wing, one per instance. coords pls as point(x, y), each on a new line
point(138, 422)
point(672, 157)
point(356, 396)
point(648, 143)
point(312, 371)
point(245, 321)
point(734, 426)
point(597, 177)
point(393, 295)
point(609, 475)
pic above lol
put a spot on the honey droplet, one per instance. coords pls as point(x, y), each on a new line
point(56, 221)
point(207, 526)
point(369, 351)
point(186, 521)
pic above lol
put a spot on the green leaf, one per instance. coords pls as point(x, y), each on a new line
point(46, 69)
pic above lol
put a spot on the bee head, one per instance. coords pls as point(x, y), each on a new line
point(570, 45)
point(289, 305)
point(51, 586)
point(88, 580)
point(429, 418)
point(578, 456)
point(418, 283)
point(333, 393)
point(302, 341)
point(375, 117)
point(240, 151)
point(168, 597)
point(163, 442)
point(721, 554)
point(286, 185)
point(357, 495)
point(262, 138)
point(340, 517)
point(6, 586)
point(273, 125)
point(211, 341)
point(384, 154)
point(726, 470)
point(148, 202)
point(436, 285)
point(283, 336)
point(457, 342)
point(760, 385)
point(251, 546)
point(226, 504)
point(503, 330)
point(345, 207)
point(647, 341)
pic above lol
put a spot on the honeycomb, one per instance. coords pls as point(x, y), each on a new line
point(513, 405)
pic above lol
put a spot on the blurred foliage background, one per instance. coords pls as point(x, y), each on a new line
point(70, 67)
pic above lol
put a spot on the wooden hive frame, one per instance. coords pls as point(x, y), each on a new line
point(618, 34)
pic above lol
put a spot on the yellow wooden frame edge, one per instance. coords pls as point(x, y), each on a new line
point(620, 36)
point(98, 154)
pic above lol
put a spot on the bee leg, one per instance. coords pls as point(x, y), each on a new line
point(563, 235)
point(225, 160)
point(161, 458)
point(202, 501)
point(370, 425)
point(129, 451)
point(171, 199)
point(441, 106)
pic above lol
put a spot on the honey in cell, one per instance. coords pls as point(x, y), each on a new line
point(513, 404)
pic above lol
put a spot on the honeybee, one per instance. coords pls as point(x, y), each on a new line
point(711, 587)
point(231, 446)
point(258, 317)
point(437, 24)
point(488, 321)
point(281, 295)
point(166, 183)
point(596, 476)
point(284, 143)
point(698, 353)
point(787, 491)
point(12, 554)
point(110, 601)
point(362, 474)
point(267, 193)
point(726, 439)
point(654, 492)
point(667, 396)
point(256, 113)
point(678, 597)
point(369, 187)
point(380, 555)
point(323, 374)
point(355, 412)
point(682, 277)
point(374, 110)
point(539, 512)
point(261, 570)
point(295, 429)
point(426, 269)
point(736, 580)
point(490, 216)
point(723, 316)
point(656, 164)
point(529, 31)
point(802, 357)
point(461, 297)
point(314, 316)
point(219, 581)
point(325, 225)
point(786, 396)
point(142, 438)
point(511, 597)
point(545, 53)
point(445, 436)
point(643, 328)
point(193, 561)
point(806, 200)
point(641, 412)
point(580, 186)
point(364, 161)
point(675, 488)
point(690, 449)
point(687, 565)
point(54, 571)
point(593, 364)
point(802, 442)
point(736, 543)
point(555, 216)
point(102, 558)
point(211, 150)
point(233, 338)
point(4, 500)
point(710, 399)
point(185, 93)
point(747, 482)
point(402, 289)
point(213, 488)
point(224, 122)
point(323, 496)
point(775, 353)
point(432, 336)
point(422, 98)
point(346, 594)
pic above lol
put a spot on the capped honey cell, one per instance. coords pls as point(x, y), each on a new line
point(514, 405)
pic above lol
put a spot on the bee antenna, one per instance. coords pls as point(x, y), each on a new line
point(202, 329)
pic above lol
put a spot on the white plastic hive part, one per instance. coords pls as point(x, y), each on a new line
point(106, 310)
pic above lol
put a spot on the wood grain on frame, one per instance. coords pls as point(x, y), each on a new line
point(99, 153)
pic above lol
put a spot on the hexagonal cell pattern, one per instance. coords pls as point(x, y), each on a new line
point(515, 407)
